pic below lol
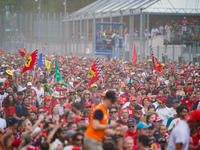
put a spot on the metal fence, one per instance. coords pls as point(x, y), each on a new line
point(50, 34)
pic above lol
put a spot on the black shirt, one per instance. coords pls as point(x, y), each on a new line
point(137, 119)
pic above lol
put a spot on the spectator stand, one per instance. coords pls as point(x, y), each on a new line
point(109, 43)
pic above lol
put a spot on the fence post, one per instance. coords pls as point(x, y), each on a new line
point(189, 53)
point(173, 53)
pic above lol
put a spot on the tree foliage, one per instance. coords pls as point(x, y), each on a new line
point(47, 6)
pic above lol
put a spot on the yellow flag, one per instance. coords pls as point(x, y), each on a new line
point(47, 64)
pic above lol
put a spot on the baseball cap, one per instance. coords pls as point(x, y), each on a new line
point(151, 125)
point(78, 119)
point(94, 85)
point(70, 133)
point(157, 118)
point(190, 89)
point(13, 120)
point(67, 105)
point(88, 104)
point(123, 85)
point(158, 96)
point(195, 116)
point(175, 101)
point(152, 82)
point(47, 99)
point(29, 84)
point(132, 98)
point(178, 83)
point(164, 100)
point(131, 120)
point(142, 125)
point(138, 107)
point(33, 108)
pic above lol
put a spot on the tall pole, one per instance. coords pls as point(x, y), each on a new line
point(65, 8)
point(39, 9)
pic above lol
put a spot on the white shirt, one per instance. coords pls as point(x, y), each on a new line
point(2, 123)
point(60, 109)
point(180, 134)
point(39, 93)
point(174, 123)
point(55, 144)
point(68, 147)
point(20, 88)
point(164, 114)
point(173, 111)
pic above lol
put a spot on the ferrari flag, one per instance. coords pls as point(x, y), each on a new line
point(30, 61)
point(22, 53)
point(95, 72)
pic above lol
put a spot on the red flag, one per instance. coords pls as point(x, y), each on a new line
point(159, 67)
point(134, 58)
point(30, 61)
point(153, 61)
point(22, 53)
point(75, 59)
point(95, 72)
point(1, 51)
point(54, 53)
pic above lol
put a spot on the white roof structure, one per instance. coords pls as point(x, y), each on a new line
point(127, 7)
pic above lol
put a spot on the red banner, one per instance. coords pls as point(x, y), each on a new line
point(30, 61)
point(22, 53)
point(134, 58)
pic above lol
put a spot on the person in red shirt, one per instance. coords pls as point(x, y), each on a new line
point(136, 83)
point(47, 105)
point(126, 95)
point(119, 105)
point(132, 132)
point(55, 97)
point(195, 135)
point(87, 112)
point(188, 99)
point(192, 23)
point(131, 108)
point(184, 23)
point(124, 119)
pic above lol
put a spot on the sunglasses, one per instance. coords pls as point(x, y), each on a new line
point(131, 126)
point(87, 93)
point(88, 106)
point(113, 112)
point(79, 139)
point(9, 92)
point(41, 112)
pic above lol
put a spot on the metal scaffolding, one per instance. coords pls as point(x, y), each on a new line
point(83, 21)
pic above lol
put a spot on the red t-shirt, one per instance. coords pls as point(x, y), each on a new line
point(47, 109)
point(54, 103)
point(195, 138)
point(131, 112)
point(9, 111)
point(124, 96)
point(184, 22)
point(186, 100)
point(133, 135)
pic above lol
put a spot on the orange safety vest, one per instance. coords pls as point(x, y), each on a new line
point(97, 134)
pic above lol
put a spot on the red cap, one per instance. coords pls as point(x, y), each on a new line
point(195, 116)
point(185, 70)
point(77, 81)
point(33, 108)
point(173, 71)
point(78, 119)
point(64, 88)
point(158, 96)
point(112, 82)
point(47, 99)
point(164, 100)
point(132, 98)
point(190, 89)
point(62, 97)
point(88, 104)
point(157, 118)
point(67, 105)
point(152, 82)
point(178, 83)
point(58, 88)
point(182, 77)
point(142, 87)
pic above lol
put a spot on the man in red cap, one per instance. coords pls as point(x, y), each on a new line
point(163, 111)
point(87, 112)
point(179, 87)
point(188, 99)
point(180, 136)
point(79, 121)
point(151, 92)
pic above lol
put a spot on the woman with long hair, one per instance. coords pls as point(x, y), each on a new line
point(132, 91)
point(86, 98)
point(10, 104)
point(55, 114)
point(145, 104)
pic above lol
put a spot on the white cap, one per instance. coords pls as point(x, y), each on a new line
point(41, 74)
point(29, 84)
point(61, 68)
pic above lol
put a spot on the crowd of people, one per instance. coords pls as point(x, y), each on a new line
point(129, 107)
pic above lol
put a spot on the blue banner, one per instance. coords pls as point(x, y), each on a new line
point(41, 60)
